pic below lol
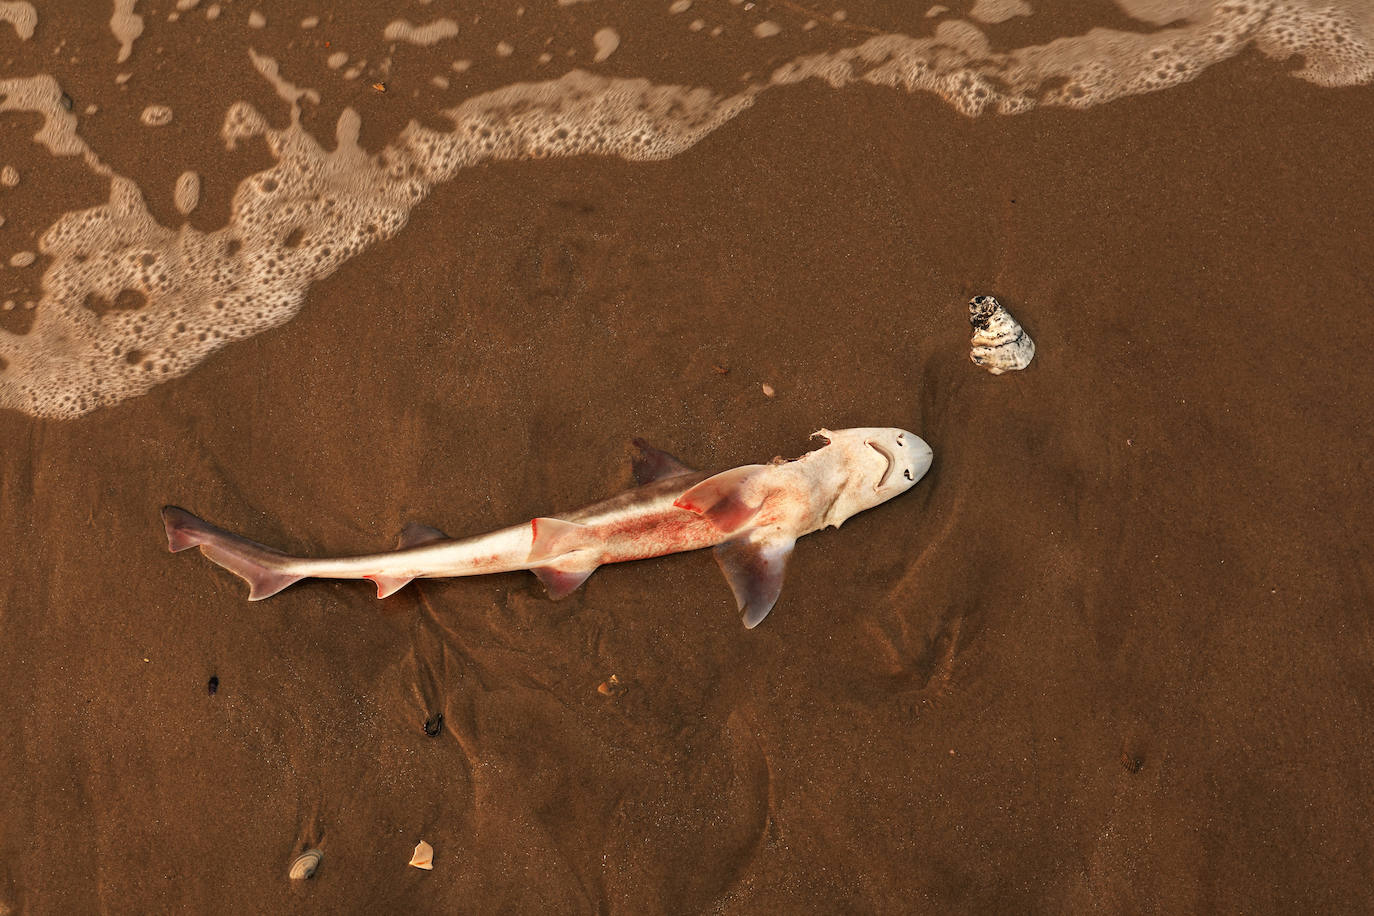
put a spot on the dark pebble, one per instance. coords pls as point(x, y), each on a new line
point(434, 724)
point(213, 686)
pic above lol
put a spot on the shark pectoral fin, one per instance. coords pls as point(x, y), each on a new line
point(415, 534)
point(755, 570)
point(653, 464)
point(721, 499)
point(553, 537)
point(560, 583)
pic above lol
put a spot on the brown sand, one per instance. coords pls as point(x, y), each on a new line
point(1113, 653)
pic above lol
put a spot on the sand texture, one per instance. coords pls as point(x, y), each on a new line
point(1113, 654)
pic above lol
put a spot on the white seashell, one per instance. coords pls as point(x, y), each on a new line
point(305, 864)
point(423, 857)
point(999, 343)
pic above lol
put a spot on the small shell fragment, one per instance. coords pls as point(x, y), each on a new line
point(768, 390)
point(999, 343)
point(423, 857)
point(612, 687)
point(305, 864)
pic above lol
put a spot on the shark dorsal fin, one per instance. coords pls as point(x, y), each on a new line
point(755, 570)
point(653, 464)
point(414, 534)
point(723, 499)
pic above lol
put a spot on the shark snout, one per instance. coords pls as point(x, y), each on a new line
point(919, 456)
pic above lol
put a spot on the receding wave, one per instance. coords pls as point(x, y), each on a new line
point(300, 219)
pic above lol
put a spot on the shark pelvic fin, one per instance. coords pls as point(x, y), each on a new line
point(722, 500)
point(755, 571)
point(560, 583)
point(653, 464)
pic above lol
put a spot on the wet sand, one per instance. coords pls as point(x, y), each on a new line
point(1112, 654)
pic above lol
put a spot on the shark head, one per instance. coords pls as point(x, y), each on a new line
point(875, 463)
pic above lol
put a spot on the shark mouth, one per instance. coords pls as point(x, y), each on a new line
point(891, 463)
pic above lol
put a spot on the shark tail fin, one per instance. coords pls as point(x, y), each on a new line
point(252, 562)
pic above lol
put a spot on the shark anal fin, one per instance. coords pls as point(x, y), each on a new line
point(553, 537)
point(389, 585)
point(755, 571)
point(653, 464)
point(560, 583)
point(722, 499)
point(412, 535)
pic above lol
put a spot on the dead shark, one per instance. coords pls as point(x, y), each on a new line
point(750, 515)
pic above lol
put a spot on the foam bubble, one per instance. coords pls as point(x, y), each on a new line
point(126, 25)
point(337, 60)
point(21, 15)
point(606, 41)
point(156, 116)
point(767, 29)
point(22, 258)
point(256, 20)
point(186, 194)
point(995, 11)
point(423, 35)
point(9, 176)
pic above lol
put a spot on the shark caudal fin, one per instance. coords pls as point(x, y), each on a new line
point(252, 562)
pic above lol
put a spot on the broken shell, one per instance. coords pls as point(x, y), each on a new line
point(611, 687)
point(423, 857)
point(999, 343)
point(305, 864)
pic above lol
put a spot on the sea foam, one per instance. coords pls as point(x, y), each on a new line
point(128, 303)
